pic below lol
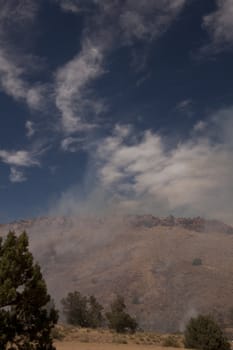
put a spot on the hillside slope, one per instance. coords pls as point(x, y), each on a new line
point(152, 263)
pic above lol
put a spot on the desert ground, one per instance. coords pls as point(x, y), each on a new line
point(73, 345)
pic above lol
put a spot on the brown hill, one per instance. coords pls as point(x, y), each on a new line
point(167, 269)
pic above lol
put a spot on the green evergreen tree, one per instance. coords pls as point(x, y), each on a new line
point(205, 334)
point(75, 309)
point(94, 312)
point(25, 319)
point(82, 311)
point(118, 318)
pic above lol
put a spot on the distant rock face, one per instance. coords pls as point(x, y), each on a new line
point(149, 260)
point(197, 224)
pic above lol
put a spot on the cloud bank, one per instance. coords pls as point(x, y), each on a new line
point(137, 172)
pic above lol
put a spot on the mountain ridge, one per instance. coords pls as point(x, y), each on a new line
point(149, 260)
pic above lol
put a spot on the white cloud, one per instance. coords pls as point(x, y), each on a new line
point(19, 158)
point(17, 175)
point(72, 144)
point(13, 68)
point(72, 82)
point(220, 25)
point(13, 83)
point(194, 177)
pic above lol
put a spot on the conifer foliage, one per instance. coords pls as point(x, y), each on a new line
point(118, 318)
point(26, 320)
point(82, 311)
point(204, 333)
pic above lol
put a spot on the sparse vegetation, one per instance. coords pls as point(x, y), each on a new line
point(197, 262)
point(26, 316)
point(205, 334)
point(118, 318)
point(57, 334)
point(171, 341)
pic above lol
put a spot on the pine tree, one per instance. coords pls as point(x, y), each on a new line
point(95, 312)
point(118, 318)
point(75, 309)
point(25, 318)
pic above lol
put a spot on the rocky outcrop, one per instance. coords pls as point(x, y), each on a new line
point(197, 224)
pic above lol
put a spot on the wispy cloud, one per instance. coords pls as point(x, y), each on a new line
point(113, 24)
point(18, 158)
point(72, 144)
point(72, 94)
point(184, 105)
point(13, 83)
point(16, 175)
point(14, 65)
point(220, 26)
point(30, 128)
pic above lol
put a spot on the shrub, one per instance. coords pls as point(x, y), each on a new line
point(205, 334)
point(197, 262)
point(171, 341)
point(57, 334)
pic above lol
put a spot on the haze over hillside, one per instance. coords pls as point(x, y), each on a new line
point(167, 269)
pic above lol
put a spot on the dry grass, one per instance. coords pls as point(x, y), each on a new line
point(90, 339)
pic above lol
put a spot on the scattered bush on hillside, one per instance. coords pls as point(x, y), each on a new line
point(118, 319)
point(135, 300)
point(26, 317)
point(204, 333)
point(197, 262)
point(82, 311)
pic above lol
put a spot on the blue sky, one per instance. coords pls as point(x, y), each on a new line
point(116, 106)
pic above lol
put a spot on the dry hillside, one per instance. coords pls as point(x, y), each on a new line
point(167, 269)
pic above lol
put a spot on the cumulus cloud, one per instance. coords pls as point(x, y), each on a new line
point(112, 24)
point(220, 26)
point(194, 177)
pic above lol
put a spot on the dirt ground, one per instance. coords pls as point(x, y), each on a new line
point(73, 345)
